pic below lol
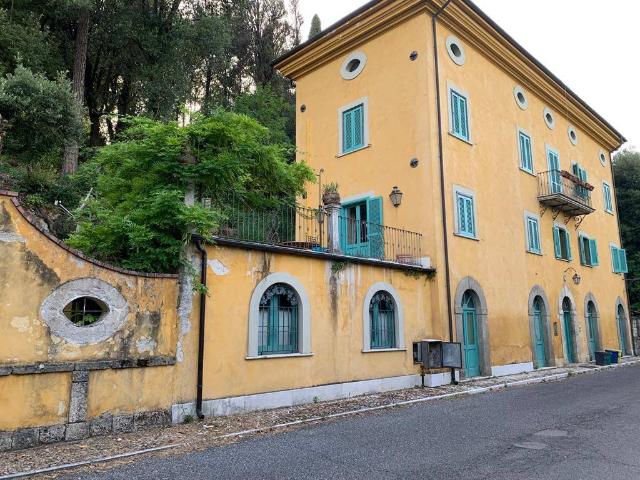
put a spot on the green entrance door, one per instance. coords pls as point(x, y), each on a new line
point(568, 330)
point(622, 328)
point(538, 332)
point(470, 334)
point(592, 328)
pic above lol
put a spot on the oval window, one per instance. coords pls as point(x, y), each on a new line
point(549, 118)
point(85, 311)
point(603, 158)
point(521, 98)
point(456, 50)
point(573, 136)
point(353, 65)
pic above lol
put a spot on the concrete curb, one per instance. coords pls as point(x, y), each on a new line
point(464, 393)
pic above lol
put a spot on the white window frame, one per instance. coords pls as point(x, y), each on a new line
point(452, 87)
point(468, 193)
point(606, 185)
point(365, 106)
point(304, 320)
point(534, 216)
point(531, 172)
point(366, 322)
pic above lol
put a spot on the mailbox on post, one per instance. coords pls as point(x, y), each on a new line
point(434, 354)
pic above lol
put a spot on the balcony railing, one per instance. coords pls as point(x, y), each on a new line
point(562, 191)
point(285, 225)
point(370, 240)
point(308, 229)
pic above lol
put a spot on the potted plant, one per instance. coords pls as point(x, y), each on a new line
point(330, 195)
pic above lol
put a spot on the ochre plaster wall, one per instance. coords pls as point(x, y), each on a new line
point(336, 301)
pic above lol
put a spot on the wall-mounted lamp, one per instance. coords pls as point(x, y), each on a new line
point(576, 278)
point(396, 197)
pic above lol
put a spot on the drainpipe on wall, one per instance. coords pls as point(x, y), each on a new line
point(203, 308)
point(445, 232)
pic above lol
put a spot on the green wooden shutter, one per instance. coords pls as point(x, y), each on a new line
point(556, 242)
point(462, 216)
point(615, 259)
point(347, 132)
point(622, 255)
point(593, 250)
point(342, 227)
point(569, 254)
point(583, 253)
point(464, 118)
point(459, 115)
point(375, 228)
point(358, 127)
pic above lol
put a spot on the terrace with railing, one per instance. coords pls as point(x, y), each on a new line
point(565, 192)
point(310, 229)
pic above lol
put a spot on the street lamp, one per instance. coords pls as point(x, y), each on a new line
point(396, 197)
point(576, 278)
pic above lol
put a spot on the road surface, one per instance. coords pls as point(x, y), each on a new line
point(586, 427)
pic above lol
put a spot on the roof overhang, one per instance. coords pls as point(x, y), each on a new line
point(470, 23)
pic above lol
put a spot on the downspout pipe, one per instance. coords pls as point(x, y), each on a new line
point(445, 232)
point(197, 240)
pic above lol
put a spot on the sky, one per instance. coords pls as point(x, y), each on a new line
point(593, 47)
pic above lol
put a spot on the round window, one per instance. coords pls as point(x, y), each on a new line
point(573, 135)
point(603, 158)
point(456, 50)
point(353, 65)
point(85, 311)
point(549, 119)
point(521, 98)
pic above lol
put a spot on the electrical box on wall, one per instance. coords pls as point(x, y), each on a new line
point(433, 354)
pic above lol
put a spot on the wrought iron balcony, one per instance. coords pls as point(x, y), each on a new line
point(564, 192)
point(303, 228)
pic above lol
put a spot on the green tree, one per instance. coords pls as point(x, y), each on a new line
point(626, 166)
point(138, 217)
point(270, 109)
point(316, 26)
point(42, 115)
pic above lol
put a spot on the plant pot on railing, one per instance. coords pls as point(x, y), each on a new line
point(330, 195)
point(581, 183)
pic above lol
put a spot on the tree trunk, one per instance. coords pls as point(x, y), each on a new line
point(72, 150)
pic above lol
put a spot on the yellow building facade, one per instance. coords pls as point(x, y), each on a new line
point(476, 206)
point(425, 76)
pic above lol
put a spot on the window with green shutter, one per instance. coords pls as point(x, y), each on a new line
point(588, 251)
point(526, 153)
point(353, 133)
point(608, 202)
point(619, 260)
point(581, 173)
point(466, 215)
point(533, 235)
point(561, 243)
point(459, 115)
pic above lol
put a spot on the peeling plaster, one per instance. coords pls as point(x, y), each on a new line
point(146, 345)
point(10, 237)
point(218, 267)
point(185, 303)
point(22, 324)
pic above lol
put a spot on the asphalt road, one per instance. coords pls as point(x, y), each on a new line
point(586, 427)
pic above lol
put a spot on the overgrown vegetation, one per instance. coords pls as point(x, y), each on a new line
point(116, 83)
point(138, 216)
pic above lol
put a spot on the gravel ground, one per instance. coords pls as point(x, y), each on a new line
point(201, 435)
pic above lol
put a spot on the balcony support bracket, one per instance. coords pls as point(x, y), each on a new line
point(556, 212)
point(543, 210)
point(567, 218)
point(579, 221)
